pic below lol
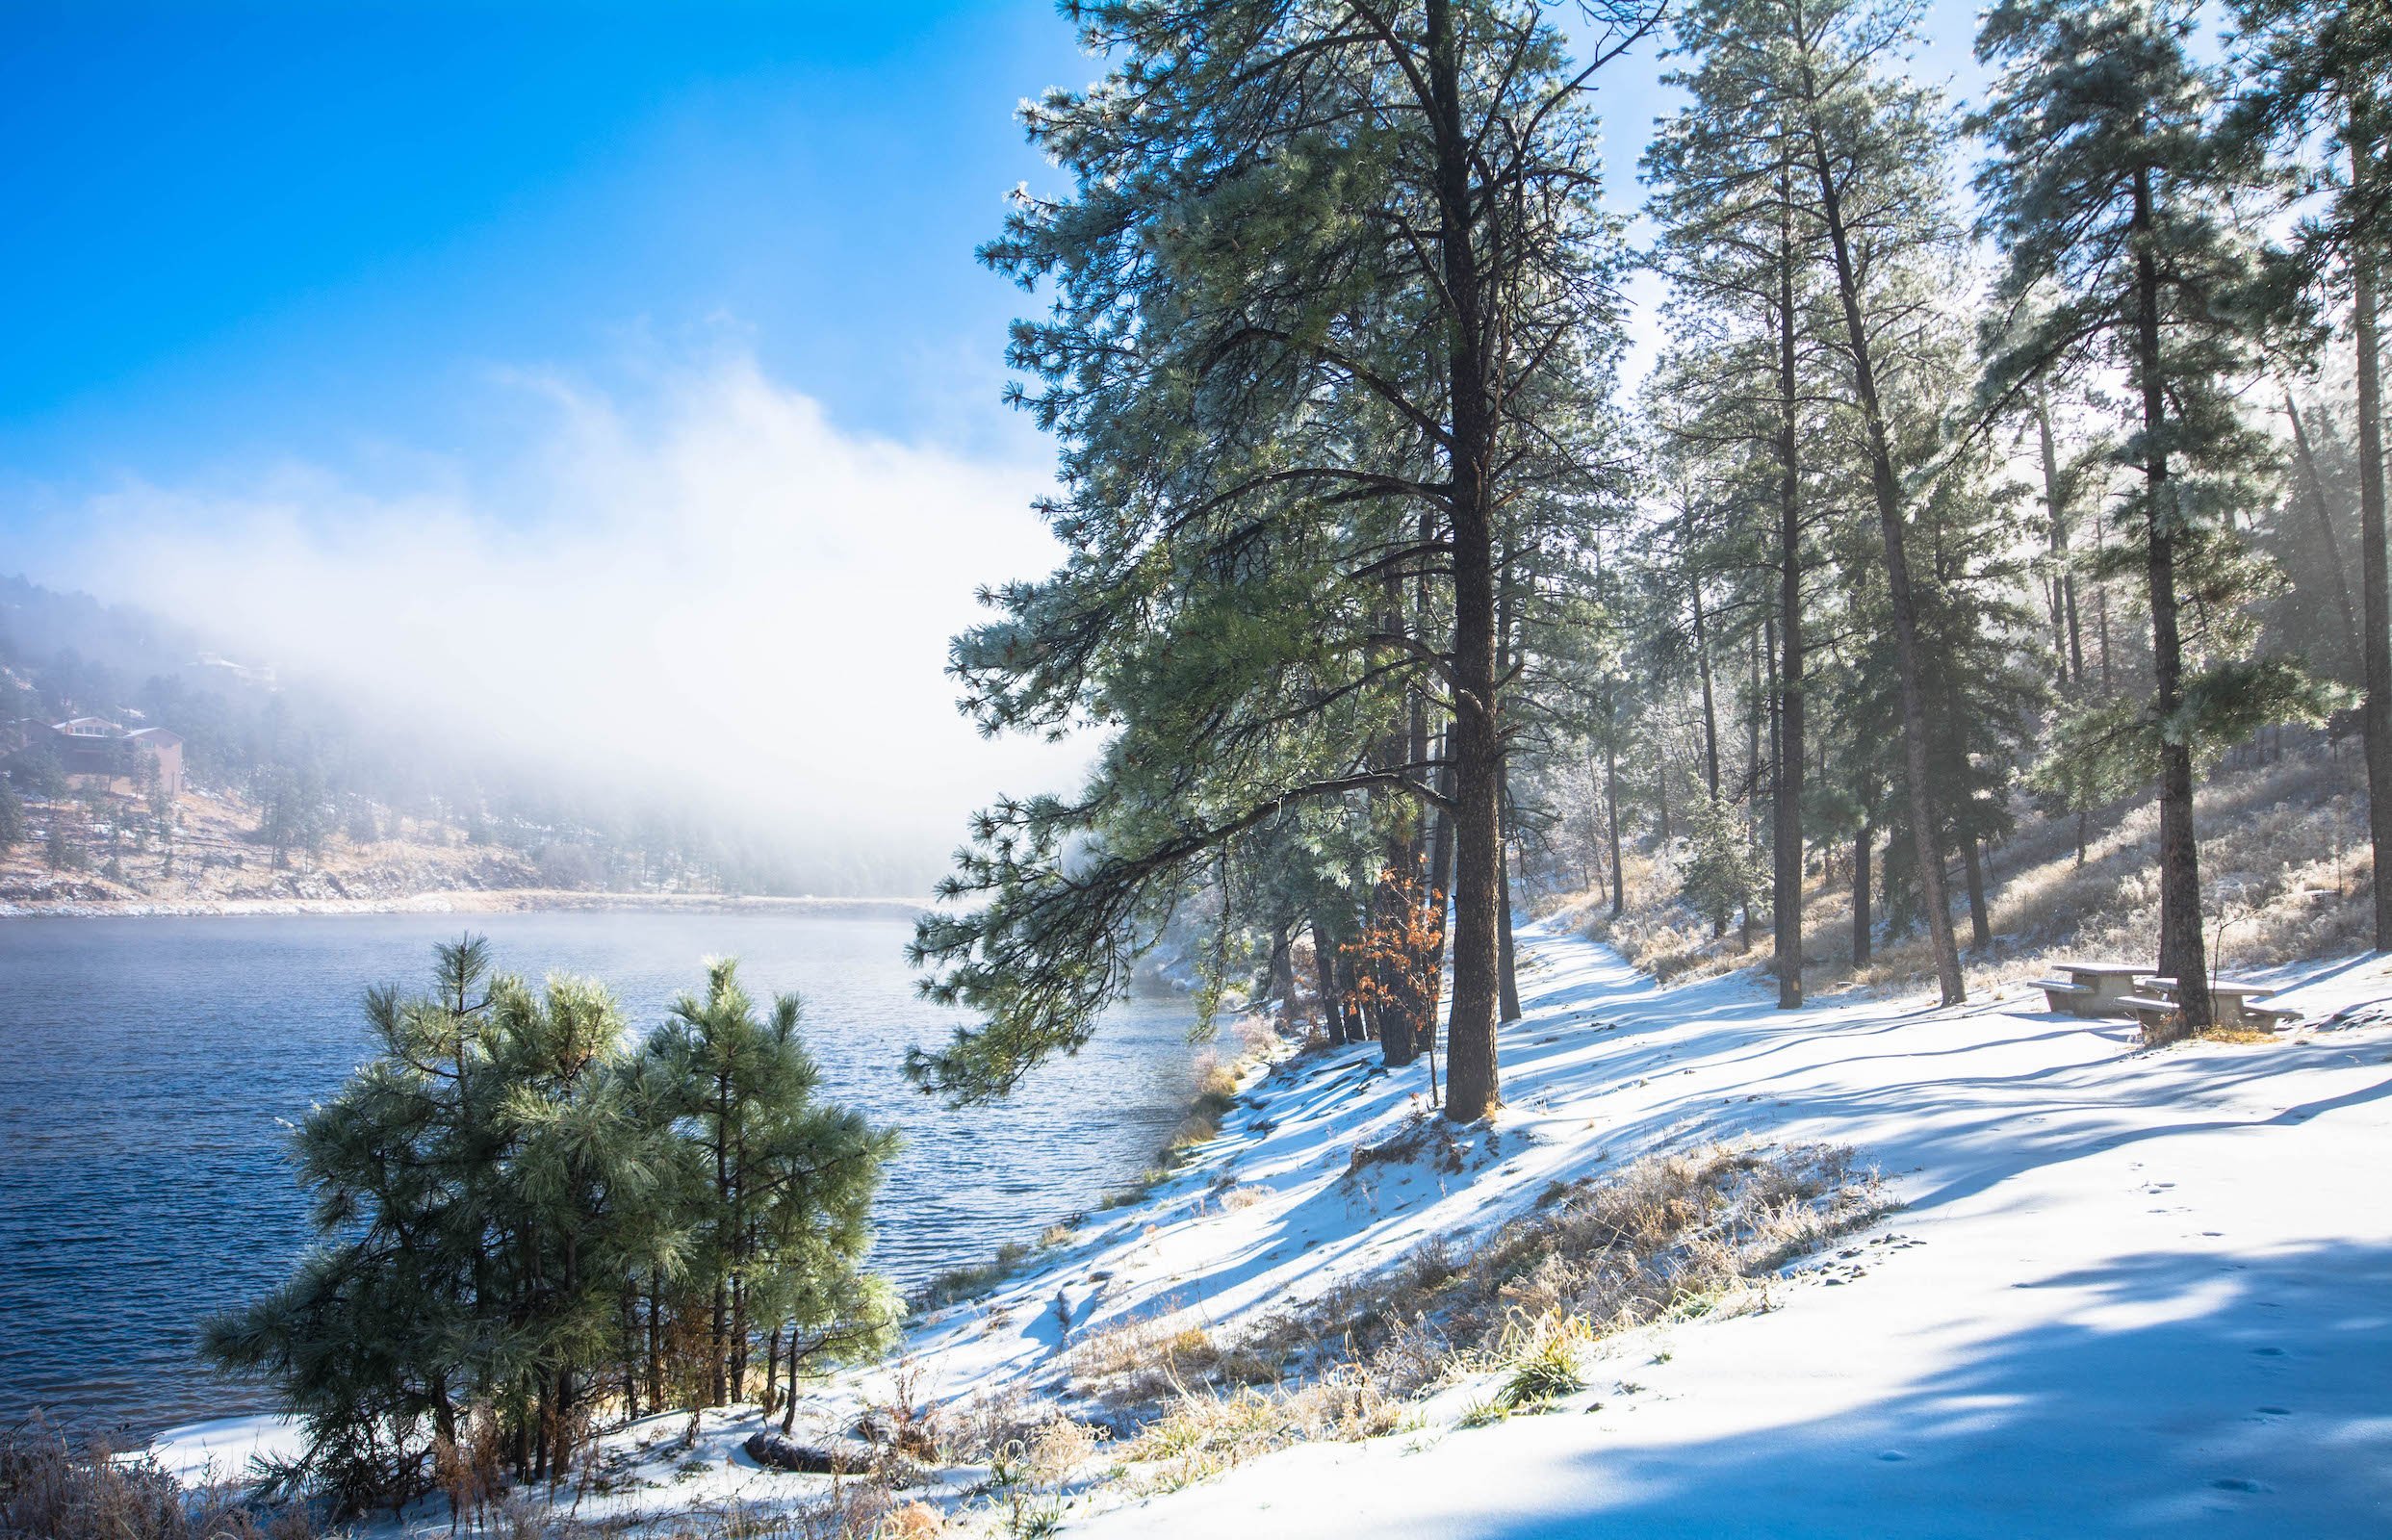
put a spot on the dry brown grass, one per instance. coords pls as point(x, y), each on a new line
point(1665, 1233)
point(1672, 1235)
point(2247, 1036)
point(55, 1489)
point(2285, 876)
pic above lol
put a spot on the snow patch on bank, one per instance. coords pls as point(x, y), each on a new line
point(2130, 1292)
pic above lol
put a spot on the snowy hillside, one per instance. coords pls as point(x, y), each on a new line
point(2126, 1292)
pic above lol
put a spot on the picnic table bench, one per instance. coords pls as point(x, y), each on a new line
point(2232, 1003)
point(2094, 988)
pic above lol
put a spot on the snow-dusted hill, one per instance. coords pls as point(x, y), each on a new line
point(2149, 1292)
point(2128, 1291)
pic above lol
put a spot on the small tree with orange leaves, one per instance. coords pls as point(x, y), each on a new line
point(1397, 957)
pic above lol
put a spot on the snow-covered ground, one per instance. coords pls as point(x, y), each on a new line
point(2128, 1291)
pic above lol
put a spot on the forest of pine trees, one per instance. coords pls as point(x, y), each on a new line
point(534, 1223)
point(2021, 459)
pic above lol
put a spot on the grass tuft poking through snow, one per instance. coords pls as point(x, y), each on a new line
point(52, 1487)
point(1669, 1236)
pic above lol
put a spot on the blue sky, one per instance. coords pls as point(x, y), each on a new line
point(601, 355)
point(252, 231)
point(260, 230)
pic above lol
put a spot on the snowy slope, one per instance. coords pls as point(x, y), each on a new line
point(2131, 1292)
point(2149, 1292)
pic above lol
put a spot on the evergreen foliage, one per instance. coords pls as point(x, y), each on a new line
point(1332, 323)
point(2112, 195)
point(529, 1218)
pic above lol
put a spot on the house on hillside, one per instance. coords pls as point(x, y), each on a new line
point(95, 746)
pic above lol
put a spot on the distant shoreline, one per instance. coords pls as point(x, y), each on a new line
point(462, 901)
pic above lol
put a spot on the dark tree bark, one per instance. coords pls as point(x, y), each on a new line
point(1860, 841)
point(1473, 1089)
point(1661, 790)
point(1325, 980)
point(1786, 887)
point(1439, 882)
point(656, 1338)
point(1710, 730)
point(2182, 954)
point(1594, 823)
point(1973, 864)
point(2375, 584)
point(1282, 984)
point(1612, 812)
point(1361, 1020)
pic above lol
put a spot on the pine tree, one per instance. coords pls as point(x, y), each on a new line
point(1328, 300)
point(1874, 149)
point(2313, 74)
point(788, 1185)
point(2109, 195)
point(1717, 873)
point(12, 827)
point(510, 1187)
point(1739, 247)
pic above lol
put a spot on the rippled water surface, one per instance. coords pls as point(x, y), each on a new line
point(148, 1067)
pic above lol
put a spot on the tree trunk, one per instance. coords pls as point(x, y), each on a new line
point(1786, 887)
point(1661, 789)
point(630, 1351)
point(1887, 489)
point(1710, 728)
point(1361, 1021)
point(1611, 808)
point(2180, 950)
point(1399, 1033)
point(1762, 702)
point(788, 1412)
point(1507, 975)
point(1473, 1085)
point(1437, 887)
point(1972, 862)
point(2354, 649)
point(1325, 980)
point(2068, 635)
point(1860, 841)
point(1594, 822)
point(1711, 714)
point(2101, 594)
point(1282, 984)
point(2374, 582)
point(656, 1339)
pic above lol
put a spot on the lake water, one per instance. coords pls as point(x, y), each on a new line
point(148, 1068)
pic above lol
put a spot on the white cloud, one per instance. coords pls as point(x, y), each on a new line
point(709, 585)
